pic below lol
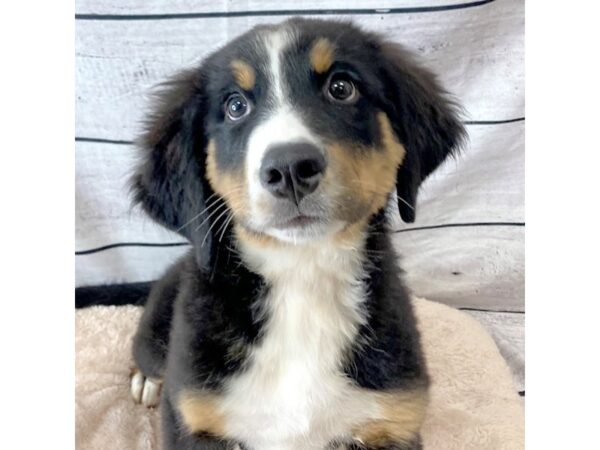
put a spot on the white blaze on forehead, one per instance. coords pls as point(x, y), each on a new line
point(276, 42)
point(282, 124)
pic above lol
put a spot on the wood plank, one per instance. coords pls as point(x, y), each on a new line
point(125, 264)
point(186, 6)
point(472, 267)
point(478, 53)
point(103, 204)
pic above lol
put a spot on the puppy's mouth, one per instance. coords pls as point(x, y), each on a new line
point(313, 219)
point(299, 221)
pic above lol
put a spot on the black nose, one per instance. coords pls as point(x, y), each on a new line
point(292, 170)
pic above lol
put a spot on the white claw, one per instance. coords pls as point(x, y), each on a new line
point(151, 392)
point(145, 390)
point(137, 386)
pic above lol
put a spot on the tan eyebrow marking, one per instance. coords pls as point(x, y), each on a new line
point(321, 55)
point(244, 74)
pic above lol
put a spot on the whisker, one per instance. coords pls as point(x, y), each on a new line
point(213, 225)
point(191, 220)
point(225, 227)
point(221, 227)
point(235, 188)
point(405, 202)
point(196, 216)
point(221, 197)
point(220, 207)
point(208, 207)
point(199, 214)
point(210, 196)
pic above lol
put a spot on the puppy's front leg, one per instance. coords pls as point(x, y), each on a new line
point(152, 339)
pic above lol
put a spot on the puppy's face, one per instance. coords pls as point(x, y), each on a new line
point(303, 129)
point(299, 143)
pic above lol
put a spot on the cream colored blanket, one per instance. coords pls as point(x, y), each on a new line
point(474, 404)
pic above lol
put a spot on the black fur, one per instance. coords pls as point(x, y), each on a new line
point(203, 317)
point(387, 354)
point(425, 119)
point(171, 184)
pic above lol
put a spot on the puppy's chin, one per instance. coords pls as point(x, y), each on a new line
point(298, 231)
point(306, 233)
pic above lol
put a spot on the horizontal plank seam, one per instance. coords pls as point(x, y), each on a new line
point(282, 12)
point(493, 122)
point(103, 141)
point(469, 224)
point(176, 244)
point(123, 142)
point(129, 244)
point(492, 310)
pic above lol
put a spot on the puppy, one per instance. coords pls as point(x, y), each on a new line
point(287, 327)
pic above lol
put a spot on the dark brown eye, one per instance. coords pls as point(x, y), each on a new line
point(341, 89)
point(237, 107)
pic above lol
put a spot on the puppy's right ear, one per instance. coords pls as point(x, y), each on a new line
point(170, 183)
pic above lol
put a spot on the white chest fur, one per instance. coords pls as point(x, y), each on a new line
point(294, 394)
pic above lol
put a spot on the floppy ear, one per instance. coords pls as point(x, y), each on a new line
point(425, 119)
point(170, 183)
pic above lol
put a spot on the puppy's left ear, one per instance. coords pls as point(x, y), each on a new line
point(425, 119)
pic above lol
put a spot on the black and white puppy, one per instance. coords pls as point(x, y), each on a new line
point(287, 326)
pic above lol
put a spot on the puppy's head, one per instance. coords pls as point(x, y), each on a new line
point(295, 131)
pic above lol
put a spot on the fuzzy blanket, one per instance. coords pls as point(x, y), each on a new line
point(474, 404)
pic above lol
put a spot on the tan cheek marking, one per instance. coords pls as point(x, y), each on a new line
point(403, 413)
point(230, 186)
point(200, 413)
point(243, 73)
point(369, 173)
point(321, 55)
point(352, 234)
point(396, 150)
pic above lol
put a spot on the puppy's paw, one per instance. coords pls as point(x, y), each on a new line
point(145, 390)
